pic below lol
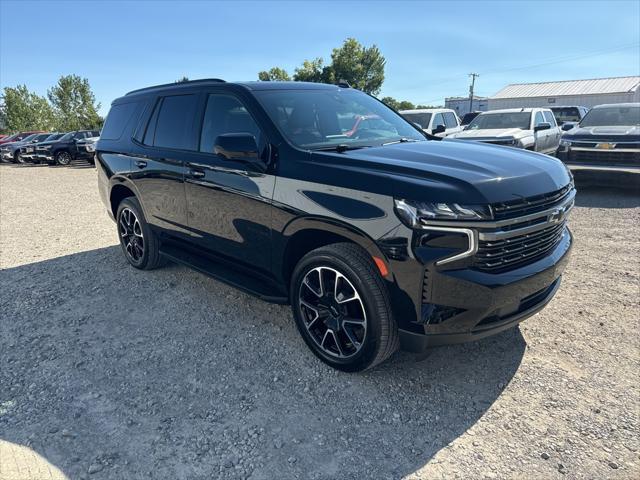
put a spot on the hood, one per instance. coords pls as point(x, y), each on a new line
point(453, 170)
point(13, 144)
point(629, 133)
point(493, 133)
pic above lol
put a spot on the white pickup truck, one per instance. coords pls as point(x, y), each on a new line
point(530, 128)
point(441, 122)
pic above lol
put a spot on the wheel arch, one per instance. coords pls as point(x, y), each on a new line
point(121, 188)
point(306, 234)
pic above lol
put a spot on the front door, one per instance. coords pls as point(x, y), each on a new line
point(229, 201)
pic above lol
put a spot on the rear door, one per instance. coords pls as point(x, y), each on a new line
point(229, 201)
point(158, 167)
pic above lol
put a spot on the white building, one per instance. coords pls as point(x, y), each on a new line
point(461, 104)
point(587, 93)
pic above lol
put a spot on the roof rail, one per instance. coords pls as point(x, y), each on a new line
point(187, 82)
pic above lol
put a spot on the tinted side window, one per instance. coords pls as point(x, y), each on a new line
point(438, 120)
point(549, 118)
point(225, 114)
point(539, 119)
point(450, 118)
point(116, 121)
point(174, 120)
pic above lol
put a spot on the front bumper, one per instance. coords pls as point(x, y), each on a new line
point(483, 304)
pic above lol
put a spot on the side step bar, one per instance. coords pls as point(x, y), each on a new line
point(253, 285)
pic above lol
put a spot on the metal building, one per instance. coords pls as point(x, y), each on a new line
point(461, 104)
point(569, 92)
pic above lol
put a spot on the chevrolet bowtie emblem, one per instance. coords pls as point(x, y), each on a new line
point(606, 146)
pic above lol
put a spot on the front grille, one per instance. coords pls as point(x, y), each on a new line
point(526, 206)
point(500, 255)
point(604, 157)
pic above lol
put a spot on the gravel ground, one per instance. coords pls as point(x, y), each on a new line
point(109, 372)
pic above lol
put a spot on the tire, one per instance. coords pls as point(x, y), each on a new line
point(63, 158)
point(17, 158)
point(352, 345)
point(140, 246)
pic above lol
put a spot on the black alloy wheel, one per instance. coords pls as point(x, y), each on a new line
point(63, 158)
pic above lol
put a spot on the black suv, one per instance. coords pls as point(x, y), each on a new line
point(66, 148)
point(377, 238)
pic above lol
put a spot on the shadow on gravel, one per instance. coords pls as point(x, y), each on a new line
point(607, 197)
point(169, 374)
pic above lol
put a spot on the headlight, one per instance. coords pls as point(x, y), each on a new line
point(565, 143)
point(413, 213)
point(91, 147)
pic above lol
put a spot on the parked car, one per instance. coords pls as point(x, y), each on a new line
point(28, 151)
point(379, 241)
point(440, 122)
point(467, 117)
point(529, 128)
point(87, 147)
point(607, 138)
point(568, 116)
point(17, 137)
point(65, 149)
point(11, 151)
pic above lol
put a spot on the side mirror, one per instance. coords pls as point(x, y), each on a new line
point(566, 126)
point(438, 129)
point(542, 126)
point(237, 146)
point(417, 125)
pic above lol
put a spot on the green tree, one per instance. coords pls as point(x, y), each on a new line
point(274, 74)
point(74, 104)
point(24, 110)
point(390, 102)
point(183, 79)
point(312, 71)
point(362, 67)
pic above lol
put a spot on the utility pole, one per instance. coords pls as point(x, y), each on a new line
point(473, 83)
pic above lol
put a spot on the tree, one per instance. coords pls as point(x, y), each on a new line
point(24, 110)
point(362, 67)
point(74, 104)
point(275, 74)
point(312, 71)
point(183, 79)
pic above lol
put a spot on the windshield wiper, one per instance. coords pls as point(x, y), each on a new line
point(340, 148)
point(402, 140)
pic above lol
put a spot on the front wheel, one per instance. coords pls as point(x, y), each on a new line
point(63, 158)
point(341, 307)
point(18, 158)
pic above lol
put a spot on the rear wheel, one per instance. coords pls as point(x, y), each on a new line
point(63, 158)
point(341, 308)
point(139, 243)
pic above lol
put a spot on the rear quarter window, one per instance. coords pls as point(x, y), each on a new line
point(118, 118)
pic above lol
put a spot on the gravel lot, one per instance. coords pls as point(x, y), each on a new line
point(109, 372)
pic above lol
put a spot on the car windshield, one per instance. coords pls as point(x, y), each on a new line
point(42, 136)
point(421, 119)
point(323, 119)
point(612, 116)
point(55, 136)
point(67, 136)
point(29, 138)
point(493, 121)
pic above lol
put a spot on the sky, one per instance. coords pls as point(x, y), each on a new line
point(430, 46)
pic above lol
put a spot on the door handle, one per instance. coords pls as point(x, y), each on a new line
point(196, 173)
point(141, 164)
